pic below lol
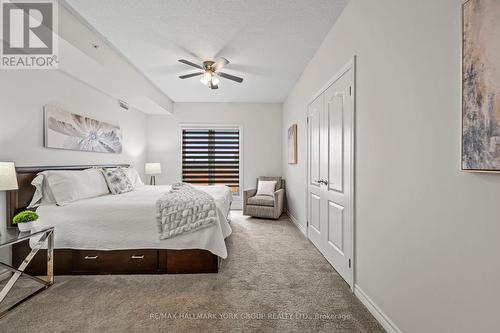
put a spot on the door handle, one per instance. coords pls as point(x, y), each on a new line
point(91, 257)
point(322, 181)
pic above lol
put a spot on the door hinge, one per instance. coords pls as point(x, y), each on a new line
point(308, 120)
point(350, 90)
point(349, 263)
point(307, 223)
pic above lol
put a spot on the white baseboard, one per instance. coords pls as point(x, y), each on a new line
point(381, 317)
point(296, 222)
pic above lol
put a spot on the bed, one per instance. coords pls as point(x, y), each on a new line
point(120, 234)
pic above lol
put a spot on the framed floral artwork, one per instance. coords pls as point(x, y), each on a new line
point(65, 130)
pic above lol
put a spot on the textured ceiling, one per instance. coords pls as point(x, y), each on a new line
point(268, 42)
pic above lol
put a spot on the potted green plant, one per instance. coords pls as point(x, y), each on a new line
point(25, 220)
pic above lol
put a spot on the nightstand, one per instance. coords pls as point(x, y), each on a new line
point(42, 235)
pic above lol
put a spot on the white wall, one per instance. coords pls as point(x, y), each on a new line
point(261, 136)
point(23, 93)
point(426, 233)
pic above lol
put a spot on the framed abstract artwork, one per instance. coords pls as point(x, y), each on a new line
point(481, 86)
point(292, 144)
point(65, 130)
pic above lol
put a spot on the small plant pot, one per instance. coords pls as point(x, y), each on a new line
point(26, 226)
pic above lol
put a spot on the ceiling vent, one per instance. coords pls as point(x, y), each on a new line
point(123, 104)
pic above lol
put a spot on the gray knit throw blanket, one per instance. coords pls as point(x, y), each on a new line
point(184, 209)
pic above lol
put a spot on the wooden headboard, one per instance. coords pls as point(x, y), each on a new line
point(17, 201)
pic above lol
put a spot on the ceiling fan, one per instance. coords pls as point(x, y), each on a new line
point(211, 72)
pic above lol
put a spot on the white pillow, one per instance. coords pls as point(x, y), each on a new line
point(134, 177)
point(69, 186)
point(266, 187)
point(43, 194)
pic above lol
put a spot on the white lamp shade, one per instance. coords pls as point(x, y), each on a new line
point(153, 169)
point(8, 178)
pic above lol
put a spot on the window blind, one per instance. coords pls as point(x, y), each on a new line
point(211, 156)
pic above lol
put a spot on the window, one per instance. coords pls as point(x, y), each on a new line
point(211, 156)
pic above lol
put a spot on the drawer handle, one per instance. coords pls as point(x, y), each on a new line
point(91, 257)
point(138, 257)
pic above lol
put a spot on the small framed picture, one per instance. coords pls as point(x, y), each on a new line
point(481, 86)
point(292, 144)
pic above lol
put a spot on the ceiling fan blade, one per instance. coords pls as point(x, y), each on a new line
point(230, 77)
point(219, 64)
point(190, 75)
point(189, 63)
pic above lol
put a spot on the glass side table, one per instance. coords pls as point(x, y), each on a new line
point(45, 234)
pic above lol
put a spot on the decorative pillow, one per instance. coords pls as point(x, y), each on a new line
point(267, 178)
point(43, 194)
point(117, 180)
point(132, 175)
point(69, 186)
point(266, 187)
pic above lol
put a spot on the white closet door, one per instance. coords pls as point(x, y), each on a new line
point(337, 194)
point(330, 182)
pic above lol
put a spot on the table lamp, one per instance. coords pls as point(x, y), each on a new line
point(8, 177)
point(153, 169)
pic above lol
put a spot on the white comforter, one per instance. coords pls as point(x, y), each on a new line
point(128, 221)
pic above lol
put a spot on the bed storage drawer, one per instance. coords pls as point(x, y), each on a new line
point(189, 261)
point(112, 262)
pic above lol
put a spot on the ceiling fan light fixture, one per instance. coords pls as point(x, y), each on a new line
point(215, 80)
point(207, 77)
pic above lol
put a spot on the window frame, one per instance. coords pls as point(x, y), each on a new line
point(208, 126)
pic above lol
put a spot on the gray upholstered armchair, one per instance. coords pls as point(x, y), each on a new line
point(265, 206)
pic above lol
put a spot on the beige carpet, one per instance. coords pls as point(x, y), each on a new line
point(273, 281)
